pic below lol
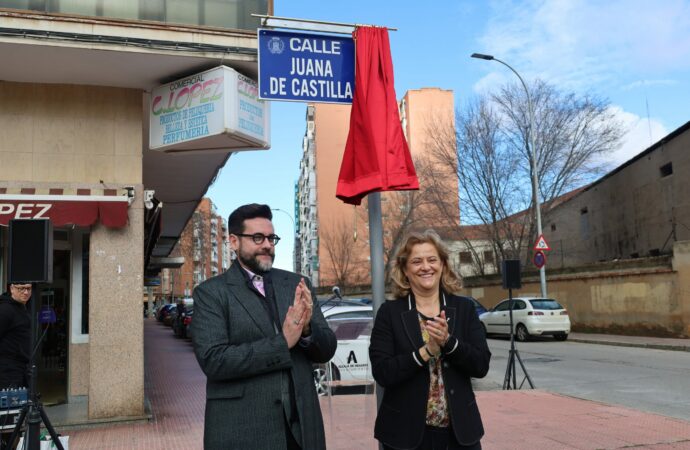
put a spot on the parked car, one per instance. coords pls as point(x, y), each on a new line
point(532, 316)
point(181, 322)
point(187, 324)
point(164, 310)
point(350, 365)
point(176, 317)
point(347, 311)
point(478, 306)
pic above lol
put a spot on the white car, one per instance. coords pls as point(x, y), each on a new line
point(532, 316)
point(350, 365)
point(348, 312)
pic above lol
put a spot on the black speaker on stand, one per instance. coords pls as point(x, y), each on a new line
point(512, 280)
point(31, 261)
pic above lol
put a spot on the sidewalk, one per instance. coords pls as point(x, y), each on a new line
point(530, 420)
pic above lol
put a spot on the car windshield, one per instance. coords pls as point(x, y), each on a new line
point(349, 329)
point(545, 303)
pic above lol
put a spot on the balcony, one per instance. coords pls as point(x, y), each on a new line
point(45, 47)
point(229, 14)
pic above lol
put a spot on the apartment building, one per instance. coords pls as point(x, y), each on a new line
point(204, 245)
point(333, 238)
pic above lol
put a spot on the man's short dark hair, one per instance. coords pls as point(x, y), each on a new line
point(246, 212)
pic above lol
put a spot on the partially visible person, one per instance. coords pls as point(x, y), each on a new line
point(15, 332)
point(15, 341)
point(426, 345)
point(256, 335)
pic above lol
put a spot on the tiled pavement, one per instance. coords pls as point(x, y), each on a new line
point(531, 420)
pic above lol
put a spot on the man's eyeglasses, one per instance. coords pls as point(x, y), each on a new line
point(258, 238)
point(22, 288)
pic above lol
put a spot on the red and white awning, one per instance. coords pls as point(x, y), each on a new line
point(82, 207)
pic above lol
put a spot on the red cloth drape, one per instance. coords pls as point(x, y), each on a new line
point(377, 157)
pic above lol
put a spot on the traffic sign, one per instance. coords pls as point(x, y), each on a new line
point(541, 244)
point(539, 259)
point(306, 67)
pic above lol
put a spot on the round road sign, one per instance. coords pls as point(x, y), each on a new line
point(539, 259)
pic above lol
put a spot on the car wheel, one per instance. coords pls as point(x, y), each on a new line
point(521, 333)
point(321, 380)
point(560, 337)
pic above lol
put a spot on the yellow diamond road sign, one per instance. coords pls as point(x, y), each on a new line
point(541, 244)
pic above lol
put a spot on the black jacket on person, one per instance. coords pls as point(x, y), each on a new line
point(15, 341)
point(399, 369)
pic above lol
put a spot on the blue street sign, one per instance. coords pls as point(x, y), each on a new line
point(306, 67)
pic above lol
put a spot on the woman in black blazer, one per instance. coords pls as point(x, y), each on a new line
point(425, 346)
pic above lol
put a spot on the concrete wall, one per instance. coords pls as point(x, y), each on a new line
point(643, 297)
point(61, 133)
point(116, 331)
point(78, 369)
point(632, 212)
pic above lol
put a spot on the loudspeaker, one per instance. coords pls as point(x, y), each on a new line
point(30, 251)
point(511, 274)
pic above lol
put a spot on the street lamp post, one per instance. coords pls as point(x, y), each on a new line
point(532, 152)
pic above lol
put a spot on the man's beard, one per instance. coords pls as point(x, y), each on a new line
point(251, 262)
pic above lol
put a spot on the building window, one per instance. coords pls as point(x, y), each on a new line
point(233, 14)
point(584, 223)
point(465, 257)
point(553, 227)
point(488, 257)
point(666, 170)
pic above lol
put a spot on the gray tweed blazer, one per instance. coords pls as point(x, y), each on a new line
point(245, 363)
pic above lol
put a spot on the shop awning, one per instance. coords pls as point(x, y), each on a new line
point(84, 207)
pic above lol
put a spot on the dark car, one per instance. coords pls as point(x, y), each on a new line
point(164, 310)
point(478, 306)
point(180, 324)
point(187, 322)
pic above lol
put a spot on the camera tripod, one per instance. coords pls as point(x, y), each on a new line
point(513, 355)
point(33, 411)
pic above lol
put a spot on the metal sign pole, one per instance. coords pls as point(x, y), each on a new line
point(378, 287)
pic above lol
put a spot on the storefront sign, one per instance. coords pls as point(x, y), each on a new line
point(218, 109)
point(65, 210)
point(306, 67)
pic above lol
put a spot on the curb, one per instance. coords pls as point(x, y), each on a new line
point(677, 348)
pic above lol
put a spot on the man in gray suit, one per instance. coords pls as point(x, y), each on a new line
point(256, 335)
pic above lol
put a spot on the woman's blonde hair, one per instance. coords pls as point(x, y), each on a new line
point(450, 281)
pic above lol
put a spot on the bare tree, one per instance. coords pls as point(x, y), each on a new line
point(339, 241)
point(493, 161)
point(405, 211)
